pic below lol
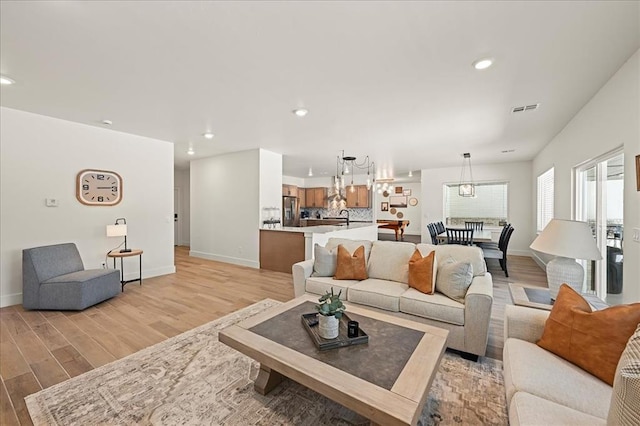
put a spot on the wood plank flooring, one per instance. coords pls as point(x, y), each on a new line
point(41, 348)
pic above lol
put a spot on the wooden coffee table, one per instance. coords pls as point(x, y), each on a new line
point(386, 380)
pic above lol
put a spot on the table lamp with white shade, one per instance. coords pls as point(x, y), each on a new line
point(567, 240)
point(119, 230)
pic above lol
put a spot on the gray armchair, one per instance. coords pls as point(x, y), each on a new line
point(53, 277)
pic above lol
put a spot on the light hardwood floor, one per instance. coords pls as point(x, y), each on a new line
point(41, 348)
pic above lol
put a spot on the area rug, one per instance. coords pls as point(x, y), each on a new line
point(194, 379)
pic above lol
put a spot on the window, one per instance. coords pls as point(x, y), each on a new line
point(489, 205)
point(545, 199)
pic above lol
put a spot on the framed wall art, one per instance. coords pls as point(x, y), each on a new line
point(407, 192)
point(398, 190)
point(399, 201)
point(384, 206)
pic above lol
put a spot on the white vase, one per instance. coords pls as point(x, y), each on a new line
point(328, 326)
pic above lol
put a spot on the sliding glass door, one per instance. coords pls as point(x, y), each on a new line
point(599, 202)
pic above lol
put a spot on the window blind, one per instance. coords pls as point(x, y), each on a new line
point(545, 199)
point(491, 201)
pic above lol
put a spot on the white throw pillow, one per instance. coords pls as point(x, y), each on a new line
point(454, 279)
point(468, 254)
point(325, 261)
point(389, 260)
point(625, 398)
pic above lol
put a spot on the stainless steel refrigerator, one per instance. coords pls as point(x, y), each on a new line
point(290, 211)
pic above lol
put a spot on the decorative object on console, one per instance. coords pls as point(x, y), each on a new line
point(330, 309)
point(119, 230)
point(567, 240)
point(466, 188)
point(98, 187)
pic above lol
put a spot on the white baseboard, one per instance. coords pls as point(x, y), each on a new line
point(520, 253)
point(10, 300)
point(539, 261)
point(148, 273)
point(226, 259)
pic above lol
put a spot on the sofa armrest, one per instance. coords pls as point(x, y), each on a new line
point(301, 271)
point(477, 314)
point(524, 323)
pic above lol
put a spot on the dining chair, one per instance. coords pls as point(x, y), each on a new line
point(460, 236)
point(474, 225)
point(494, 244)
point(433, 233)
point(501, 252)
point(440, 228)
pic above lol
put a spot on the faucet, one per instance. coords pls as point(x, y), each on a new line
point(345, 210)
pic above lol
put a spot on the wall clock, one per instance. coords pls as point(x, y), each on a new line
point(98, 187)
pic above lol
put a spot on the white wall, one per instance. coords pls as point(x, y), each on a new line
point(610, 119)
point(521, 209)
point(181, 181)
point(226, 197)
point(40, 157)
point(412, 213)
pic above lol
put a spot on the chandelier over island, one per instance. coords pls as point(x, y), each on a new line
point(348, 165)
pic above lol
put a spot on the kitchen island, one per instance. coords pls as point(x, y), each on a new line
point(281, 248)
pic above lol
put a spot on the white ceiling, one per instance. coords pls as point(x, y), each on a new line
point(392, 80)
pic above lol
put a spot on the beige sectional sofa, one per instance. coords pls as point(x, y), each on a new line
point(542, 388)
point(387, 289)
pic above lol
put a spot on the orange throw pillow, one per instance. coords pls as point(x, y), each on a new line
point(593, 341)
point(351, 267)
point(421, 272)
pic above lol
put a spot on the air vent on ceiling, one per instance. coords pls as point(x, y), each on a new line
point(524, 108)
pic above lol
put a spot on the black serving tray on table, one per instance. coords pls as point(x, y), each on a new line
point(340, 341)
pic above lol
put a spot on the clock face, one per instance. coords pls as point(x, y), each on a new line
point(98, 187)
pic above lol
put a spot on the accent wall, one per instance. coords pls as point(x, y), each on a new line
point(40, 157)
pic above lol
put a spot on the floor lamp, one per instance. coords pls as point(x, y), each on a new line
point(568, 240)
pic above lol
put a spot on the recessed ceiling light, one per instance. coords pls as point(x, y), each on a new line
point(191, 151)
point(300, 112)
point(310, 172)
point(107, 122)
point(208, 135)
point(483, 64)
point(6, 81)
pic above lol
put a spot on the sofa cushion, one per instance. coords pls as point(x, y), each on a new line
point(421, 273)
point(460, 253)
point(389, 260)
point(324, 261)
point(529, 410)
point(351, 266)
point(322, 285)
point(454, 279)
point(381, 294)
point(350, 245)
point(593, 341)
point(625, 398)
point(433, 306)
point(529, 368)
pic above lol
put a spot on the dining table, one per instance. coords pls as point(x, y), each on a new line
point(479, 236)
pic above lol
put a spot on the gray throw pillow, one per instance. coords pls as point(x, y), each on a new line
point(454, 278)
point(325, 261)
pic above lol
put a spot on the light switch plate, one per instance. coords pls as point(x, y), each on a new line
point(636, 235)
point(51, 202)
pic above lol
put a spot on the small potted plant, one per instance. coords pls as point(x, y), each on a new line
point(330, 309)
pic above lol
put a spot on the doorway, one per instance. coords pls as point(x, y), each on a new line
point(176, 216)
point(600, 203)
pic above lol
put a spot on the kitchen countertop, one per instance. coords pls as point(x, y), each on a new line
point(322, 229)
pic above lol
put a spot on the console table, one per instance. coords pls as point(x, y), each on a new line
point(121, 255)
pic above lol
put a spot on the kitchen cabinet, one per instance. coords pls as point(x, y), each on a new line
point(302, 198)
point(290, 190)
point(359, 198)
point(316, 197)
